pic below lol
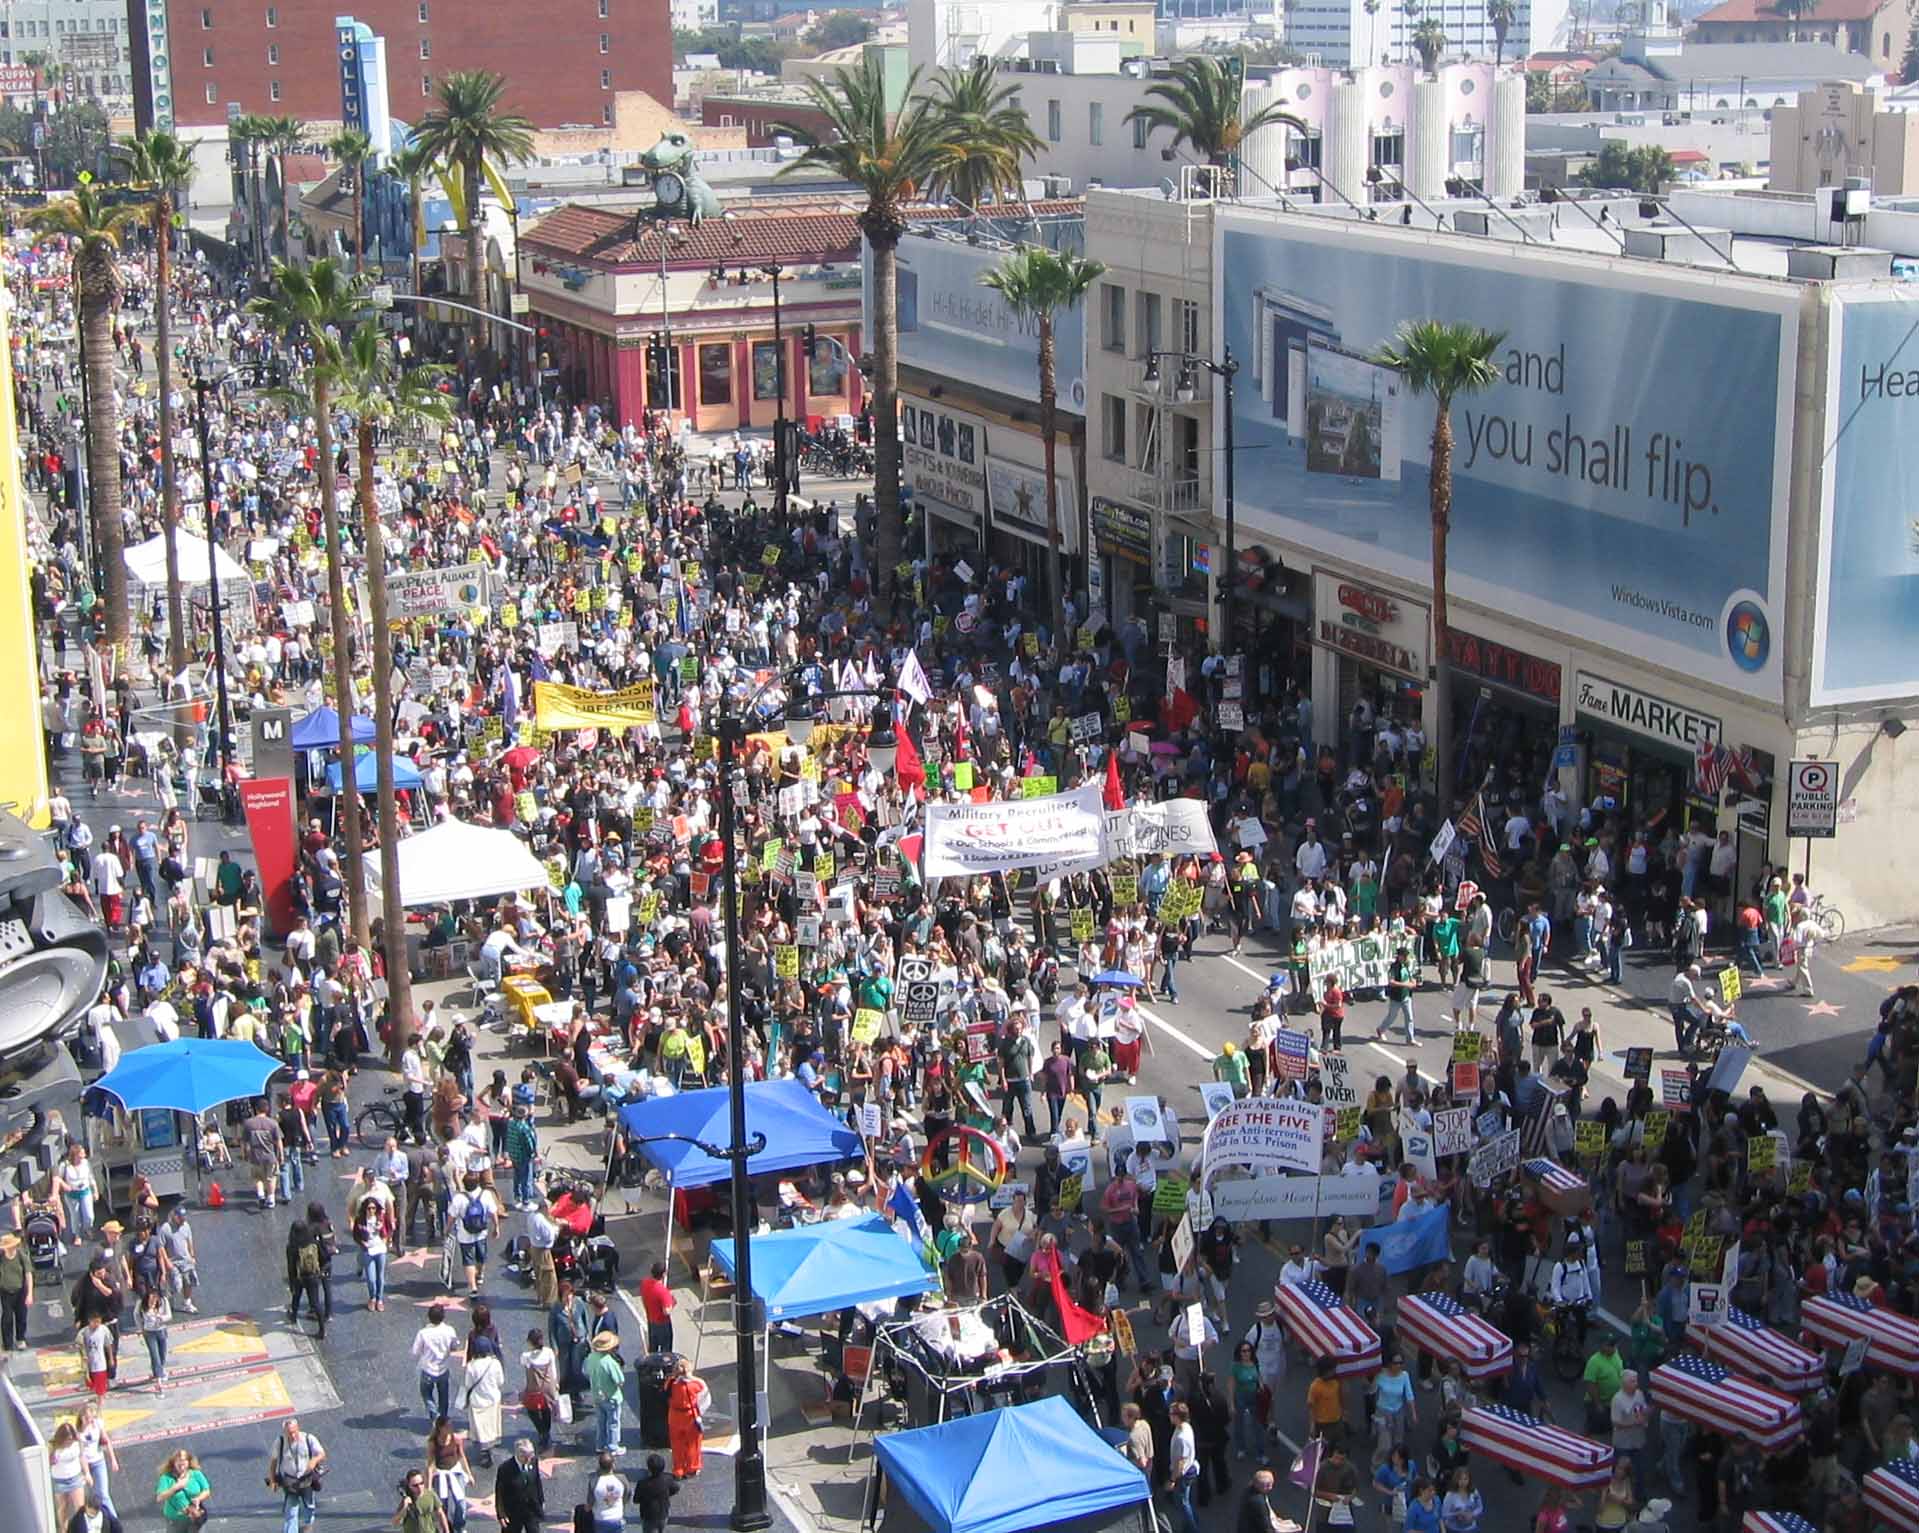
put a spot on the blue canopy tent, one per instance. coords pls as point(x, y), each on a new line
point(814, 1268)
point(320, 730)
point(799, 1132)
point(366, 772)
point(1010, 1470)
point(188, 1075)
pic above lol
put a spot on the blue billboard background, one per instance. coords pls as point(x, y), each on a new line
point(954, 327)
point(1623, 483)
point(1868, 633)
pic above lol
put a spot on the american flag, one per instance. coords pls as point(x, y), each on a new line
point(1536, 1128)
point(1746, 1342)
point(1775, 1522)
point(1553, 1176)
point(1832, 1320)
point(1446, 1328)
point(1323, 1323)
point(1472, 825)
point(1535, 1447)
point(1892, 1493)
point(1711, 1395)
point(1710, 768)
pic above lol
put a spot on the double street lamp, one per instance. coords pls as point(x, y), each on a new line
point(1185, 391)
point(206, 378)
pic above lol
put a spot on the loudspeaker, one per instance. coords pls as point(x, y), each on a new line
point(53, 959)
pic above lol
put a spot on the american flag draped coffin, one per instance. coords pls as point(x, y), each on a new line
point(1746, 1343)
point(1775, 1522)
point(1892, 1494)
point(1536, 1448)
point(1446, 1328)
point(1892, 1340)
point(1563, 1191)
point(1712, 1395)
point(1326, 1326)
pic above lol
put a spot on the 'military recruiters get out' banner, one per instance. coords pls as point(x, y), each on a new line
point(995, 837)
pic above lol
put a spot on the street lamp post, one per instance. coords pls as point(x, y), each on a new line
point(773, 269)
point(665, 232)
point(1184, 391)
point(203, 383)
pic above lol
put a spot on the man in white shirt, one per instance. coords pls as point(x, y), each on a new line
point(432, 1348)
point(1310, 860)
point(473, 1215)
point(1299, 1268)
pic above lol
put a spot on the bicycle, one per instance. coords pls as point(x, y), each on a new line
point(1830, 919)
point(1565, 1351)
point(379, 1121)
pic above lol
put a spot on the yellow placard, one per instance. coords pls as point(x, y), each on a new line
point(867, 1024)
point(1038, 787)
point(1082, 925)
point(786, 961)
point(509, 615)
point(1729, 984)
point(649, 910)
point(1762, 1154)
point(823, 866)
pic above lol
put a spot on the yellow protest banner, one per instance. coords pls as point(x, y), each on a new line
point(1122, 708)
point(1589, 1137)
point(1467, 1046)
point(1082, 925)
point(1038, 787)
point(649, 911)
point(556, 706)
point(1729, 984)
point(823, 866)
point(509, 615)
point(786, 961)
point(1762, 1154)
point(1125, 887)
point(867, 1024)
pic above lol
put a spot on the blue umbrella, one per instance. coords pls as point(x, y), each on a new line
point(1118, 977)
point(189, 1075)
point(320, 730)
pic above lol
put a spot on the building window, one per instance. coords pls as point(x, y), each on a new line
point(1140, 130)
point(273, 53)
point(273, 90)
point(716, 375)
point(606, 79)
point(1469, 146)
point(1189, 326)
point(423, 12)
point(606, 117)
point(1095, 123)
point(1389, 148)
point(1146, 311)
point(606, 42)
point(206, 21)
point(1053, 121)
point(206, 58)
point(1112, 411)
point(1112, 316)
point(273, 15)
point(426, 85)
point(213, 95)
point(603, 10)
point(426, 47)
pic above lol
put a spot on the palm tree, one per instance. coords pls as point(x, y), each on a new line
point(314, 306)
point(353, 149)
point(249, 134)
point(162, 165)
point(367, 381)
point(1202, 104)
point(1371, 8)
point(892, 158)
point(1429, 42)
point(284, 136)
point(1502, 14)
point(470, 133)
point(987, 113)
point(92, 227)
point(1443, 361)
point(1037, 282)
point(1795, 11)
point(412, 165)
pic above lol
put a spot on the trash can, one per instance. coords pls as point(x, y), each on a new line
point(650, 1374)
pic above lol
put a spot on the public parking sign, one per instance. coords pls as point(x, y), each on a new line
point(1812, 799)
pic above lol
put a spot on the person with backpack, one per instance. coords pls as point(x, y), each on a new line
point(474, 1215)
point(305, 1262)
point(297, 1468)
point(147, 1260)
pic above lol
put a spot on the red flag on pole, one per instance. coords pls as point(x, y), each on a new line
point(1115, 794)
point(1077, 1323)
point(907, 765)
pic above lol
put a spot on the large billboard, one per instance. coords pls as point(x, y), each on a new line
point(953, 326)
point(1866, 634)
point(1625, 480)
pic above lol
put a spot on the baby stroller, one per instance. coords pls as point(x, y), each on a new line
point(44, 1246)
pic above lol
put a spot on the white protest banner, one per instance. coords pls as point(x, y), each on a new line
point(965, 839)
point(1336, 1077)
point(1494, 1159)
point(1217, 1095)
point(1178, 827)
point(1087, 726)
point(1453, 1131)
point(428, 593)
point(1195, 1320)
point(1416, 1146)
point(298, 614)
point(1183, 1243)
point(1005, 1193)
point(1262, 1134)
point(871, 1124)
point(1295, 1197)
point(1147, 1122)
point(1708, 1304)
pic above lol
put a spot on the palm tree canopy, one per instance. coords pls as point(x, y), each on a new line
point(316, 304)
point(1429, 40)
point(892, 158)
point(1443, 360)
point(468, 127)
point(161, 163)
point(1038, 281)
point(350, 147)
point(368, 381)
point(413, 163)
point(992, 131)
point(1502, 14)
point(94, 225)
point(1201, 103)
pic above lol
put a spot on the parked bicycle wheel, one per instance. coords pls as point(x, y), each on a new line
point(1832, 921)
point(378, 1122)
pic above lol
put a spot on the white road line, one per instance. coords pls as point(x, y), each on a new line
point(1175, 1033)
point(1380, 1048)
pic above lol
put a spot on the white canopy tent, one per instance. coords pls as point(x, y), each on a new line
point(458, 861)
point(147, 575)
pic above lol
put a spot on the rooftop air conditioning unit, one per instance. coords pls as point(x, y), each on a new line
point(1058, 186)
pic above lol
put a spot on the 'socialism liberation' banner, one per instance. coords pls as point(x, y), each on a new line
point(561, 707)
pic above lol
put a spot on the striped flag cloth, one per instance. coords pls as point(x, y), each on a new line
point(1892, 1494)
point(1326, 1326)
point(1832, 1320)
point(1537, 1448)
point(1775, 1522)
point(1472, 825)
point(1553, 1176)
point(1441, 1325)
point(1713, 1396)
point(1536, 1130)
point(1711, 767)
point(1746, 1342)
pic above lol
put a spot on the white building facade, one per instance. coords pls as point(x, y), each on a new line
point(89, 37)
point(1340, 33)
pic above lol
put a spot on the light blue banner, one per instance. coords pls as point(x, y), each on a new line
point(1416, 1243)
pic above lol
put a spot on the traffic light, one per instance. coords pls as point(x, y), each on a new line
point(812, 342)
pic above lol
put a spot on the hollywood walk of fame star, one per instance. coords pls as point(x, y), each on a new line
point(417, 1257)
point(1823, 1009)
point(1871, 963)
point(448, 1300)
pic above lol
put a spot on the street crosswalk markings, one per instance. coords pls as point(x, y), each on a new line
point(118, 1420)
point(229, 1337)
point(266, 1391)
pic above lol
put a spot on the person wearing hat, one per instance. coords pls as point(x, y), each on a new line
point(606, 1378)
point(16, 1292)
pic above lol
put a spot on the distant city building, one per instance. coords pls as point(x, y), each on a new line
point(1875, 28)
point(1339, 33)
point(87, 39)
point(1844, 129)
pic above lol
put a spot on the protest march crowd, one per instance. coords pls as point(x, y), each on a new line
point(972, 857)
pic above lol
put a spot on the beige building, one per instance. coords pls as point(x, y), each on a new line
point(1844, 129)
point(1129, 20)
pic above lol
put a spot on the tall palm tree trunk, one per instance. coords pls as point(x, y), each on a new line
point(169, 487)
point(1441, 500)
point(886, 412)
point(1049, 443)
point(103, 460)
point(349, 802)
point(418, 229)
point(475, 174)
point(286, 212)
point(359, 219)
point(399, 982)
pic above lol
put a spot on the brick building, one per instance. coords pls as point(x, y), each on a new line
point(563, 59)
point(599, 290)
